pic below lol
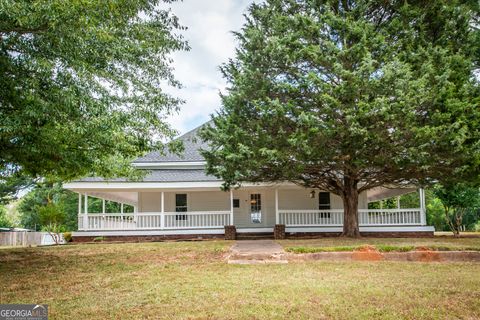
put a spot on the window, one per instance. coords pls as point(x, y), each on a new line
point(236, 203)
point(324, 200)
point(181, 206)
point(256, 208)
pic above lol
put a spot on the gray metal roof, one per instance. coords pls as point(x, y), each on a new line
point(191, 142)
point(164, 175)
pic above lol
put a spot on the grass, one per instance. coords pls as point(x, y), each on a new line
point(378, 247)
point(381, 248)
point(188, 280)
point(381, 244)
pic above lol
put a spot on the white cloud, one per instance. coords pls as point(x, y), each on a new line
point(210, 24)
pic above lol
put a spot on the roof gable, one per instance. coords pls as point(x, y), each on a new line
point(192, 144)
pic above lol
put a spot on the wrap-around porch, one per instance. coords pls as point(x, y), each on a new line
point(258, 209)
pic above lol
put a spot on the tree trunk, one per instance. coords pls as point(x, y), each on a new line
point(350, 209)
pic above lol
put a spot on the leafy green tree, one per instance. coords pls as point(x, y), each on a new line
point(346, 96)
point(10, 186)
point(436, 215)
point(46, 192)
point(82, 84)
point(40, 196)
point(4, 220)
point(471, 219)
point(52, 217)
point(457, 200)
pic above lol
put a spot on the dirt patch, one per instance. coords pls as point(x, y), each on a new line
point(421, 248)
point(373, 255)
point(367, 253)
point(428, 256)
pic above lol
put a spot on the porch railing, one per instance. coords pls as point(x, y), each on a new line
point(303, 218)
point(154, 220)
point(218, 219)
point(380, 217)
point(367, 217)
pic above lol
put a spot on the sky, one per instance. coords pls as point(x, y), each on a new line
point(210, 24)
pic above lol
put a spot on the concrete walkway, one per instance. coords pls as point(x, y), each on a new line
point(256, 251)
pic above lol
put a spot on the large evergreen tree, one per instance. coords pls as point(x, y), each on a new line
point(82, 84)
point(350, 95)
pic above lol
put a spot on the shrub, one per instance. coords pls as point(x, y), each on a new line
point(67, 236)
point(476, 227)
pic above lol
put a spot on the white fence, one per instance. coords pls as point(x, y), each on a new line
point(154, 220)
point(27, 238)
point(367, 217)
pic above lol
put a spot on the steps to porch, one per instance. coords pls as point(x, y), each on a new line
point(254, 235)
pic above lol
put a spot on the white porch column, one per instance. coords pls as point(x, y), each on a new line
point(103, 214)
point(121, 213)
point(135, 214)
point(277, 214)
point(231, 207)
point(79, 203)
point(85, 213)
point(423, 214)
point(398, 202)
point(162, 208)
point(80, 209)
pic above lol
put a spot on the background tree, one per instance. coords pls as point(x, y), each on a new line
point(42, 194)
point(346, 96)
point(81, 85)
point(457, 200)
point(5, 221)
point(11, 185)
point(436, 215)
point(52, 217)
point(49, 191)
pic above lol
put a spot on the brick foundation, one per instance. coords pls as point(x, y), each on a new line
point(279, 231)
point(230, 233)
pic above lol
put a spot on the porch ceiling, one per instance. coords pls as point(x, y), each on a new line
point(130, 198)
point(381, 193)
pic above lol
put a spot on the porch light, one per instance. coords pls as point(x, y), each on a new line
point(312, 194)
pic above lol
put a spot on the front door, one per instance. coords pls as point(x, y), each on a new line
point(255, 209)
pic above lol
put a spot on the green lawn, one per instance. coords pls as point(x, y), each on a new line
point(382, 244)
point(191, 280)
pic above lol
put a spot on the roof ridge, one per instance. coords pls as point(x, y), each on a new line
point(192, 130)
